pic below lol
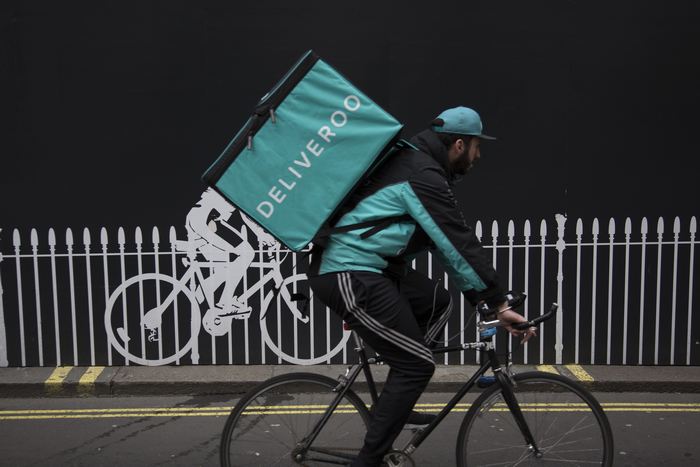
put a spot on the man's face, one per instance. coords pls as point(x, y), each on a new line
point(463, 155)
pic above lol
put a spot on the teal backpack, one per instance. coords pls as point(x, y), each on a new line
point(310, 141)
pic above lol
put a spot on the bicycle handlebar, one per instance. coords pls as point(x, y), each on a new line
point(514, 301)
point(534, 322)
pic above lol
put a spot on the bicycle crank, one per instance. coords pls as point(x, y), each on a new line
point(395, 458)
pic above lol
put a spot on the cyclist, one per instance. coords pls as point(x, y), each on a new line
point(209, 233)
point(397, 310)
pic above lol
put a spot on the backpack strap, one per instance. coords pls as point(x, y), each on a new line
point(377, 226)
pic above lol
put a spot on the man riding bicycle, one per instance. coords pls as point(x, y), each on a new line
point(366, 280)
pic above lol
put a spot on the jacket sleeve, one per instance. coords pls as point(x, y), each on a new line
point(430, 201)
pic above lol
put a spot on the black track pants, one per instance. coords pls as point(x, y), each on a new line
point(397, 318)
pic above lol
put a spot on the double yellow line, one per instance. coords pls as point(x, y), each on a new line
point(223, 411)
point(576, 371)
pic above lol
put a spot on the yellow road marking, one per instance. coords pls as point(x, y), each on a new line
point(55, 380)
point(86, 384)
point(177, 411)
point(215, 412)
point(579, 372)
point(547, 369)
point(112, 415)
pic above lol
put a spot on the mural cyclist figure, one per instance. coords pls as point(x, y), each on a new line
point(210, 235)
point(368, 282)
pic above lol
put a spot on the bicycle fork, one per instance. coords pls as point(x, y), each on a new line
point(507, 384)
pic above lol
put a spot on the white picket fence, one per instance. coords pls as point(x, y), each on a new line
point(533, 256)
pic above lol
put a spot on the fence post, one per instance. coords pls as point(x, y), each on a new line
point(3, 337)
point(693, 231)
point(645, 231)
point(138, 240)
point(88, 280)
point(660, 234)
point(74, 324)
point(34, 241)
point(54, 289)
point(172, 236)
point(155, 237)
point(511, 241)
point(527, 231)
point(579, 234)
point(561, 246)
point(628, 233)
point(478, 230)
point(121, 241)
point(543, 244)
point(17, 243)
point(595, 231)
point(611, 233)
point(104, 241)
point(676, 234)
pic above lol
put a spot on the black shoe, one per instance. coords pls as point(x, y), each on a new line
point(419, 419)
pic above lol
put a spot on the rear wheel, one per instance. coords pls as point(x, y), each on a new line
point(268, 424)
point(567, 424)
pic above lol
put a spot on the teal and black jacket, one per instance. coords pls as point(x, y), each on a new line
point(415, 184)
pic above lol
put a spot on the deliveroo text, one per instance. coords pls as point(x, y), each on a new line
point(277, 194)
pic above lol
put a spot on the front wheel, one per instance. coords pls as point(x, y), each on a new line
point(567, 423)
point(267, 427)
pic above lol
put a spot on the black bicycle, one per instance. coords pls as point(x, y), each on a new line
point(532, 418)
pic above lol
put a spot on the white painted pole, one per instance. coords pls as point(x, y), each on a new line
point(660, 234)
point(121, 240)
point(579, 234)
point(611, 256)
point(676, 234)
point(595, 231)
point(645, 231)
point(628, 233)
point(71, 275)
point(693, 231)
point(17, 243)
point(3, 337)
point(88, 272)
point(172, 237)
point(543, 242)
point(34, 241)
point(560, 246)
point(54, 295)
point(105, 275)
point(527, 231)
point(155, 240)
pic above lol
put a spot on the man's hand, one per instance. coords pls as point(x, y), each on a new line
point(509, 317)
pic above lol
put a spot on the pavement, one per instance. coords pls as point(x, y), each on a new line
point(70, 381)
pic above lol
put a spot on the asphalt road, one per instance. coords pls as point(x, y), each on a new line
point(649, 429)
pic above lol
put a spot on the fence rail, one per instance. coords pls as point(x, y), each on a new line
point(626, 291)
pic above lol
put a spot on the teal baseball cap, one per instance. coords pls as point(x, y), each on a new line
point(460, 121)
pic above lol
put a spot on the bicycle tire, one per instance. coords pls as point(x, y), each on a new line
point(267, 423)
point(582, 435)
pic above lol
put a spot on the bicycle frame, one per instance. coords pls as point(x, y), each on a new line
point(484, 345)
point(195, 271)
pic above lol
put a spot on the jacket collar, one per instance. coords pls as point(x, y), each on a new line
point(428, 142)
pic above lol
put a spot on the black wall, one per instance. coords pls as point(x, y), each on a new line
point(112, 110)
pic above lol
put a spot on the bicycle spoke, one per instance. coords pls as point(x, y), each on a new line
point(566, 428)
point(284, 414)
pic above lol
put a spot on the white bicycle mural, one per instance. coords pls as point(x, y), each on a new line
point(147, 307)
